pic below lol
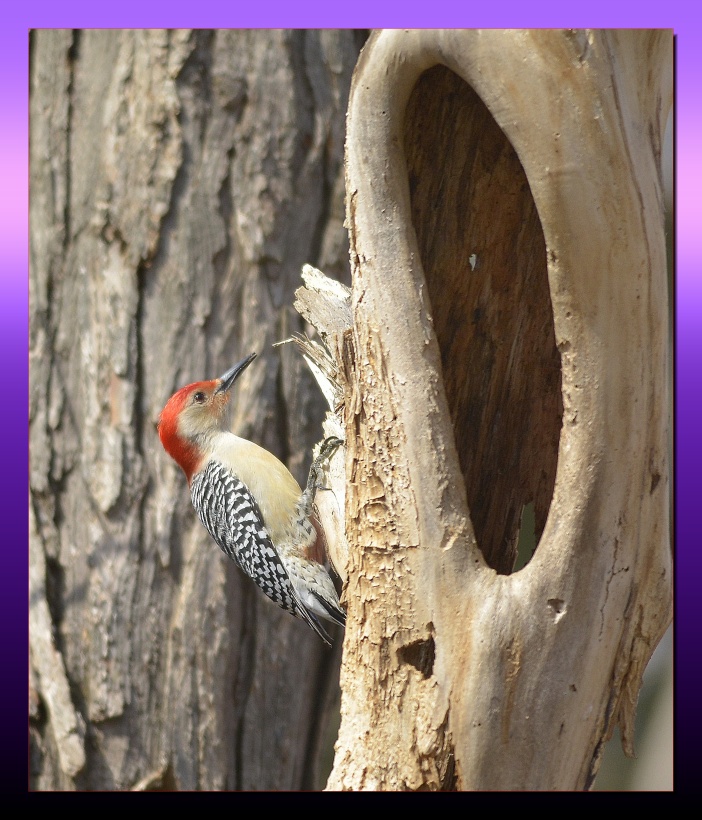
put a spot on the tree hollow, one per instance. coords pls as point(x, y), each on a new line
point(483, 252)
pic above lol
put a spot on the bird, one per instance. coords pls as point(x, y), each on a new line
point(249, 502)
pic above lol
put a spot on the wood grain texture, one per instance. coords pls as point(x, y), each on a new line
point(546, 169)
point(179, 180)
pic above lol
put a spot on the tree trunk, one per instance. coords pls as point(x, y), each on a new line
point(507, 346)
point(179, 180)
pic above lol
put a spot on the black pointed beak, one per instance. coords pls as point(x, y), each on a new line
point(226, 380)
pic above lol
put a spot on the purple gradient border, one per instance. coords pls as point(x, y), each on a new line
point(676, 14)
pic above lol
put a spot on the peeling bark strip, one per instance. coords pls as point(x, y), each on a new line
point(485, 308)
point(179, 180)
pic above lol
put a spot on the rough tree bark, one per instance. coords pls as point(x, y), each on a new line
point(506, 345)
point(179, 180)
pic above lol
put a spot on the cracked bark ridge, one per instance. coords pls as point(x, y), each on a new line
point(179, 181)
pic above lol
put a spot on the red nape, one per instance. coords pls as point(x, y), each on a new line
point(183, 452)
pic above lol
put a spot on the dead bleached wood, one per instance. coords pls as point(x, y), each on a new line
point(505, 213)
point(326, 303)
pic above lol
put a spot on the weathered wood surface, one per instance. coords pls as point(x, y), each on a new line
point(509, 345)
point(179, 180)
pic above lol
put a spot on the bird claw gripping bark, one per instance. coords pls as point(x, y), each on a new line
point(250, 503)
point(329, 446)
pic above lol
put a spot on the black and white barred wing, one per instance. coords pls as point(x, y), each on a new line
point(232, 517)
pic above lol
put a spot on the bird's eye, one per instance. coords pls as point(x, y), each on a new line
point(200, 397)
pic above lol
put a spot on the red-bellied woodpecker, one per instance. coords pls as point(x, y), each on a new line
point(250, 503)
